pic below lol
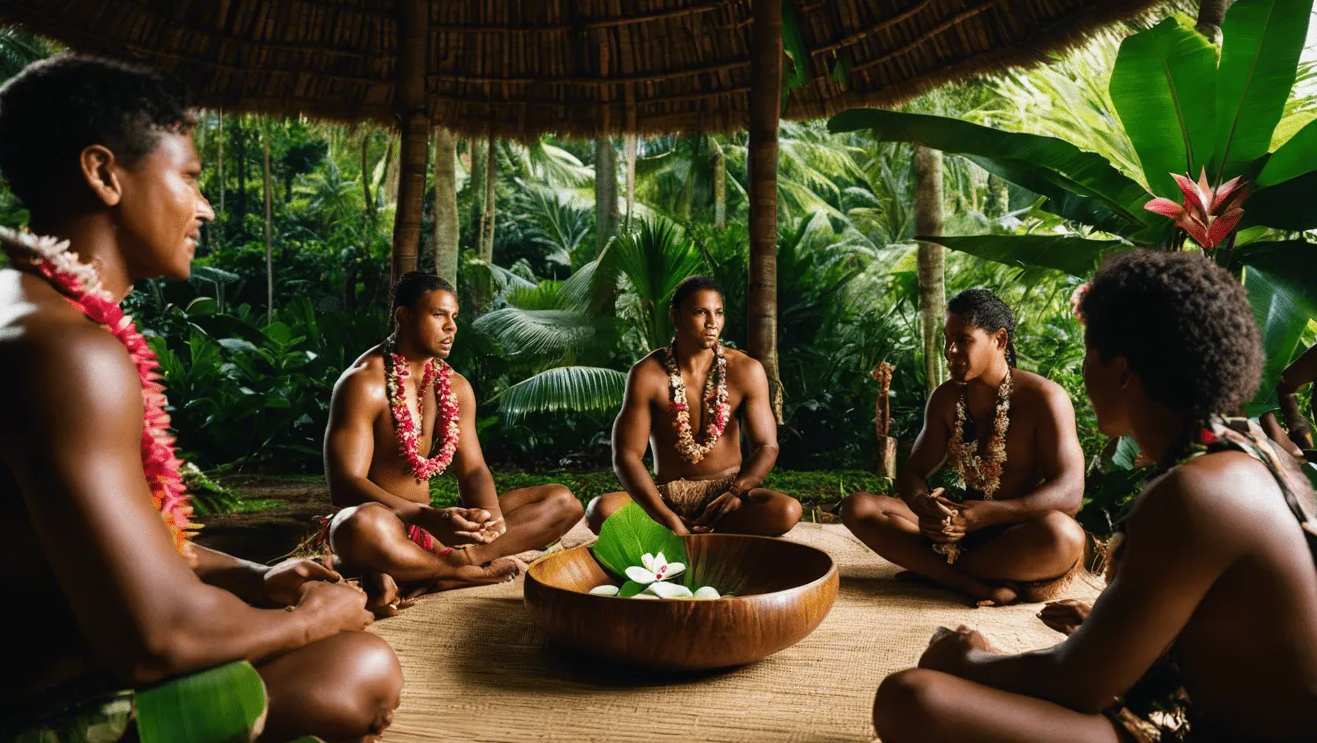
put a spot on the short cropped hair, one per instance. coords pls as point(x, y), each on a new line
point(413, 285)
point(56, 108)
point(984, 310)
point(1183, 323)
point(689, 286)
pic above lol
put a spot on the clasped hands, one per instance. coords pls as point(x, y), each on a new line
point(945, 521)
point(461, 526)
point(724, 504)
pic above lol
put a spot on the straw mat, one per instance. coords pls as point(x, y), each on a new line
point(477, 669)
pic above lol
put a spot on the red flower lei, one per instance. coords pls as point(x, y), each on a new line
point(406, 428)
point(81, 286)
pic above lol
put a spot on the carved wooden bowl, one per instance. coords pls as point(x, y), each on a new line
point(783, 591)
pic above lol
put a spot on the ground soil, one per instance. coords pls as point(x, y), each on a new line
point(267, 535)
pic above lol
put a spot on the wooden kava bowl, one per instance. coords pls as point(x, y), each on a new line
point(783, 591)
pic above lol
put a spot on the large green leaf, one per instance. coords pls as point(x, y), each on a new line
point(541, 334)
point(1049, 157)
point(1164, 89)
point(630, 533)
point(1284, 206)
point(1073, 255)
point(654, 259)
point(582, 389)
point(1281, 279)
point(1260, 48)
point(226, 704)
point(1063, 194)
point(1296, 157)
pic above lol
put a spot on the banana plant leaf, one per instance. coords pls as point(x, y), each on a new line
point(1063, 195)
point(1261, 44)
point(226, 704)
point(1284, 206)
point(1046, 157)
point(1281, 279)
point(1073, 255)
point(1163, 87)
point(1296, 157)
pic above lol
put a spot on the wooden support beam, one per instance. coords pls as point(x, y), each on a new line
point(410, 104)
point(765, 110)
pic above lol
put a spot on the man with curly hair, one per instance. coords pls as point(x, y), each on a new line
point(1009, 436)
point(1207, 630)
point(106, 594)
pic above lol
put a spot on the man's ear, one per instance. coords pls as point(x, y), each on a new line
point(400, 316)
point(672, 317)
point(100, 171)
point(1126, 374)
point(1002, 338)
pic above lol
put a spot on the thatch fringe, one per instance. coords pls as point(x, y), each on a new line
point(575, 68)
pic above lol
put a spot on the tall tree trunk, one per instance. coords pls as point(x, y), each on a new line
point(476, 188)
point(686, 195)
point(719, 186)
point(765, 108)
point(487, 209)
point(414, 155)
point(630, 149)
point(931, 261)
point(1211, 13)
point(605, 193)
point(241, 136)
point(365, 174)
point(999, 195)
point(445, 205)
point(393, 169)
point(269, 232)
point(221, 161)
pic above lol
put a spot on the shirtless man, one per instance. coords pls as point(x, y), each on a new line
point(104, 594)
point(1214, 583)
point(387, 526)
point(1300, 372)
point(1017, 527)
point(702, 483)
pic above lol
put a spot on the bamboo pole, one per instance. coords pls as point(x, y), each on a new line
point(765, 109)
point(409, 101)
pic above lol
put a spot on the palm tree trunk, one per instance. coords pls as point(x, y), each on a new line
point(686, 195)
point(630, 149)
point(476, 188)
point(365, 174)
point(765, 108)
point(719, 186)
point(414, 161)
point(241, 136)
point(605, 193)
point(1211, 13)
point(445, 205)
point(221, 160)
point(931, 261)
point(487, 210)
point(269, 232)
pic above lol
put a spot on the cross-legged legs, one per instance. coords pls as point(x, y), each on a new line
point(1041, 548)
point(765, 512)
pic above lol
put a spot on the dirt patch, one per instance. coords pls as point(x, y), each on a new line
point(270, 534)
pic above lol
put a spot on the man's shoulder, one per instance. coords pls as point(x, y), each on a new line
point(740, 362)
point(365, 377)
point(651, 364)
point(1217, 495)
point(1031, 389)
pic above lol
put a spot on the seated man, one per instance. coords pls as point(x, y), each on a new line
point(702, 483)
point(1210, 614)
point(108, 592)
point(399, 416)
point(1010, 437)
point(1300, 372)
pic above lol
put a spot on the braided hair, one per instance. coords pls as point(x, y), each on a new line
point(984, 310)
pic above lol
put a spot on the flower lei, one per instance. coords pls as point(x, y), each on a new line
point(716, 410)
point(440, 374)
point(81, 285)
point(982, 473)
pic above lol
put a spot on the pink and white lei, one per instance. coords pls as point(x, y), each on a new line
point(440, 374)
point(982, 473)
point(81, 285)
point(716, 410)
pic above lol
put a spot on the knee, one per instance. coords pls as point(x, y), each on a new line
point(906, 706)
point(786, 513)
point(1064, 533)
point(364, 524)
point(563, 503)
point(601, 507)
point(861, 506)
point(371, 682)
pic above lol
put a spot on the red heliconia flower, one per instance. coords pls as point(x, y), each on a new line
point(1207, 214)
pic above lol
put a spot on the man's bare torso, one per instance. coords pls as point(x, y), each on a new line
point(725, 458)
point(1020, 474)
point(388, 468)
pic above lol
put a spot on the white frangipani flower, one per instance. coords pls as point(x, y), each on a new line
point(653, 569)
point(707, 592)
point(669, 590)
point(607, 589)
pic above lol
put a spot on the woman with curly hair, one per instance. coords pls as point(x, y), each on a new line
point(1207, 630)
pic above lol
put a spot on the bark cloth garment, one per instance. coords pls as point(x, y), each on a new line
point(1157, 709)
point(689, 498)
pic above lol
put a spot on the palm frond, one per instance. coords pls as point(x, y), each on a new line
point(585, 389)
point(549, 335)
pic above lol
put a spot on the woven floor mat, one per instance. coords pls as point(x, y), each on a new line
point(476, 669)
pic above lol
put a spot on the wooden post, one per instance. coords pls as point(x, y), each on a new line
point(410, 104)
point(765, 109)
point(882, 420)
point(445, 205)
point(269, 231)
point(931, 262)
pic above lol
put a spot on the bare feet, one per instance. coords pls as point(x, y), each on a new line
point(499, 571)
point(382, 595)
point(997, 596)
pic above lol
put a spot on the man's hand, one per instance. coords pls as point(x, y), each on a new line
point(948, 650)
point(283, 582)
point(937, 517)
point(330, 608)
point(462, 525)
point(718, 508)
point(1065, 616)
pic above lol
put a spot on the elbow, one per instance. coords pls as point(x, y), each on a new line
point(179, 644)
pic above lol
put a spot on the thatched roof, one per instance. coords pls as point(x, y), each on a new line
point(574, 67)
